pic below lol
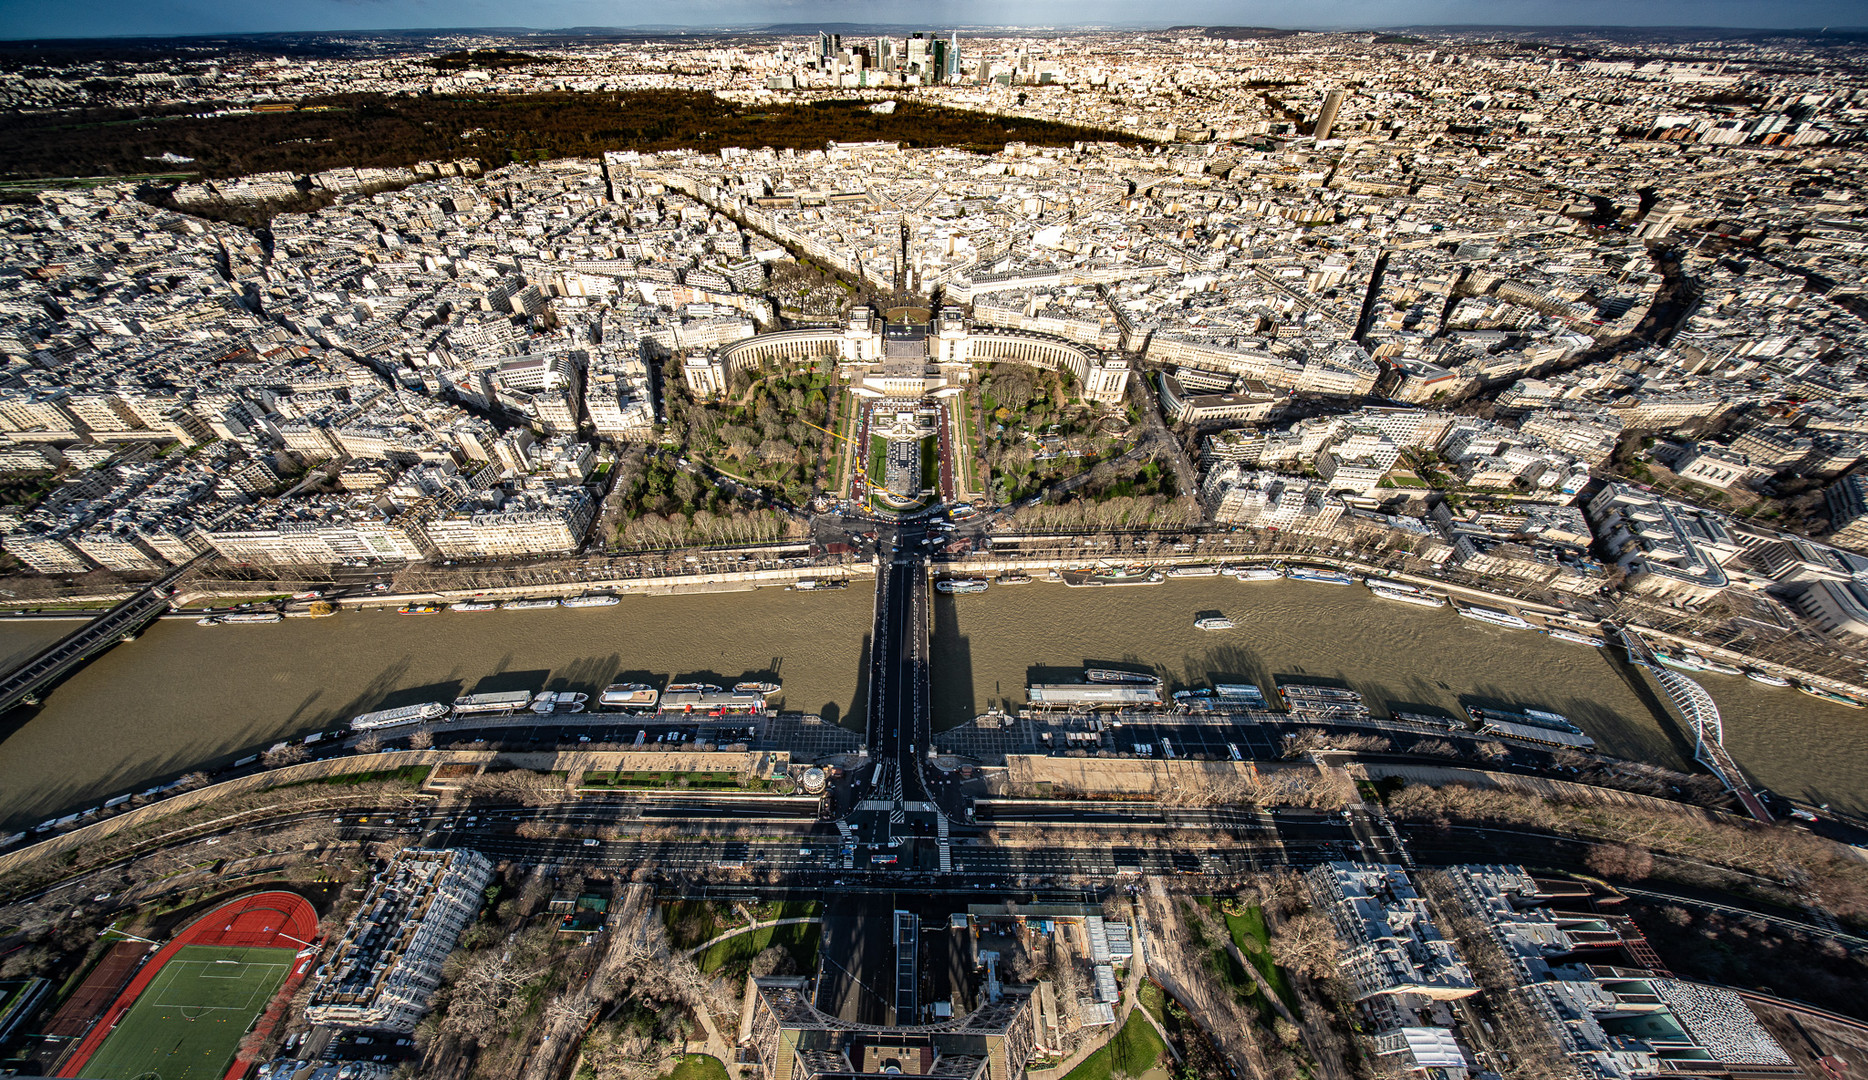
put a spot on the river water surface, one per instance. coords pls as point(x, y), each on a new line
point(183, 695)
point(1397, 655)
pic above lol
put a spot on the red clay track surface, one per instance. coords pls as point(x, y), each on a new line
point(269, 920)
point(92, 999)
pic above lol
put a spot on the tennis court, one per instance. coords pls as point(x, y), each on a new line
point(188, 1022)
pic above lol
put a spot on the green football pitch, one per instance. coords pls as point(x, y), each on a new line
point(189, 1020)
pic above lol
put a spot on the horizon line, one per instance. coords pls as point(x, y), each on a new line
point(788, 28)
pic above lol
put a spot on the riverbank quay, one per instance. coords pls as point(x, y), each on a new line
point(670, 585)
point(1542, 615)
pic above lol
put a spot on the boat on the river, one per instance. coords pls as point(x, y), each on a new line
point(1420, 599)
point(1240, 695)
point(1497, 618)
point(809, 584)
point(1089, 577)
point(549, 702)
point(1219, 622)
point(474, 605)
point(632, 695)
point(1831, 696)
point(1766, 677)
point(1116, 675)
point(960, 585)
point(1325, 577)
point(1688, 660)
point(1259, 573)
point(419, 609)
point(238, 618)
point(592, 600)
point(1685, 661)
point(1536, 726)
point(763, 689)
point(1574, 638)
point(492, 702)
point(1012, 578)
point(528, 605)
point(406, 714)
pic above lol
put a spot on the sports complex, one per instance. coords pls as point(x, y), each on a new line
point(184, 1014)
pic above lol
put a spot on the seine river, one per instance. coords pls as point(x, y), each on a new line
point(181, 694)
point(1397, 655)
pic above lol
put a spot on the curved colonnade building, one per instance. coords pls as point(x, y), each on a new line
point(905, 360)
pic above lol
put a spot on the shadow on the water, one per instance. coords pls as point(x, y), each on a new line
point(1678, 736)
point(1228, 663)
point(589, 674)
point(951, 671)
point(1491, 698)
point(504, 681)
point(1390, 706)
point(854, 720)
point(383, 691)
point(1053, 673)
point(15, 718)
point(1308, 678)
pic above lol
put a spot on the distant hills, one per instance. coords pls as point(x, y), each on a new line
point(339, 42)
point(1236, 33)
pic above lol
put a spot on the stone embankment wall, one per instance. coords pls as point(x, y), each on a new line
point(724, 581)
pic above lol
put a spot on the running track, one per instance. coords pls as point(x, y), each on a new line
point(268, 920)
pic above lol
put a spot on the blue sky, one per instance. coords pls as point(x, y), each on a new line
point(95, 18)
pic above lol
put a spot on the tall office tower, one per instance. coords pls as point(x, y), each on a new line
point(917, 54)
point(1326, 118)
point(953, 55)
point(823, 46)
point(937, 61)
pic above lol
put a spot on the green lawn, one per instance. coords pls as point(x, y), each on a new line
point(647, 779)
point(1253, 938)
point(734, 955)
point(1153, 999)
point(188, 1022)
point(698, 1067)
point(691, 922)
point(930, 462)
point(1134, 1050)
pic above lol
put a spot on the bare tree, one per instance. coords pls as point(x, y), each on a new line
point(1621, 861)
point(421, 740)
point(370, 743)
point(289, 754)
point(1307, 944)
point(517, 785)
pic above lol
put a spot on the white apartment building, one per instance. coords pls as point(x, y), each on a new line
point(1268, 500)
point(384, 970)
